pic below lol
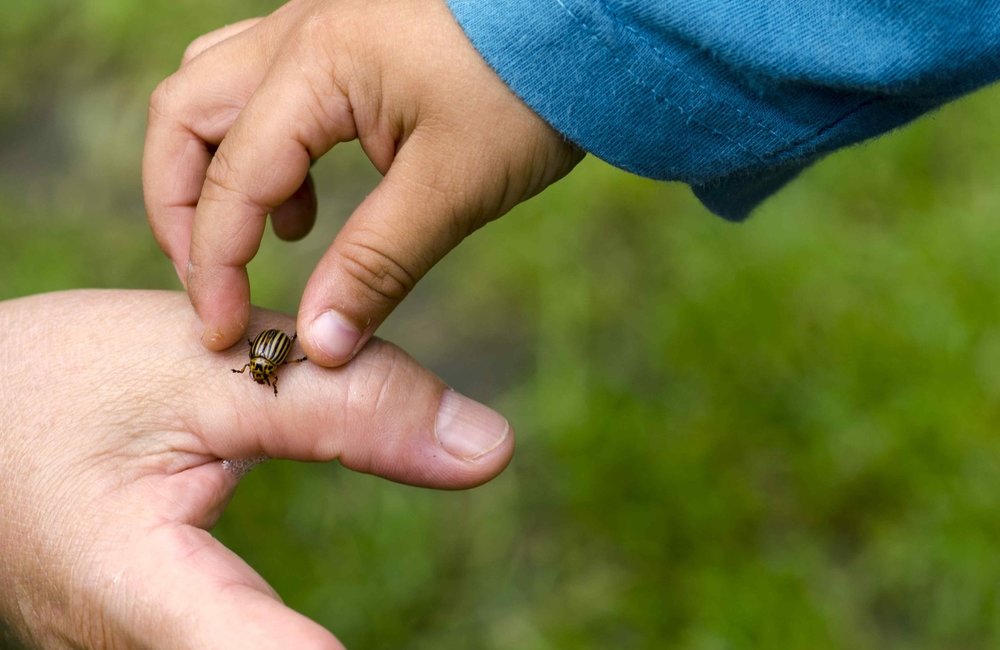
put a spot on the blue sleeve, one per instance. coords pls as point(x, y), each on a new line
point(733, 97)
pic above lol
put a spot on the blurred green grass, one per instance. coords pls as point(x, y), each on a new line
point(780, 434)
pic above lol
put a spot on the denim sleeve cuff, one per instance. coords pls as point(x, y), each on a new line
point(656, 103)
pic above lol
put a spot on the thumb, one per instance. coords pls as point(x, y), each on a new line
point(424, 207)
point(383, 414)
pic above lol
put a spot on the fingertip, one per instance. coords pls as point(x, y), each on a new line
point(331, 339)
point(221, 299)
point(471, 431)
point(218, 339)
point(478, 442)
point(219, 334)
point(421, 432)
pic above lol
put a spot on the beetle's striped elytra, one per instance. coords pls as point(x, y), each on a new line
point(268, 352)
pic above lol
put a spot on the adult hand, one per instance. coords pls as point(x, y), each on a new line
point(232, 134)
point(113, 426)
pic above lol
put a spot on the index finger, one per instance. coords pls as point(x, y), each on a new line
point(296, 114)
point(189, 114)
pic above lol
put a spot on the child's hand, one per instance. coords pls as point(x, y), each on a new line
point(457, 149)
point(113, 425)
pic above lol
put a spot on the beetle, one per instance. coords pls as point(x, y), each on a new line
point(268, 352)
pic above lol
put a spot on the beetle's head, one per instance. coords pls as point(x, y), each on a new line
point(261, 370)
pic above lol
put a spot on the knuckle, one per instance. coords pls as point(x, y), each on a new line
point(326, 114)
point(382, 278)
point(316, 27)
point(194, 48)
point(374, 390)
point(222, 183)
point(325, 29)
point(220, 170)
point(163, 97)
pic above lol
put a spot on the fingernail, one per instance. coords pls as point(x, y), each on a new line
point(467, 429)
point(334, 335)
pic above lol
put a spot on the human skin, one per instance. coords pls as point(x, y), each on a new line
point(114, 427)
point(233, 132)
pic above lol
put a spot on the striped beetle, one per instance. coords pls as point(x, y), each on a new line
point(267, 352)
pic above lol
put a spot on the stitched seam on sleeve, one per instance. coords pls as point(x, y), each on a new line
point(816, 135)
point(661, 99)
point(699, 83)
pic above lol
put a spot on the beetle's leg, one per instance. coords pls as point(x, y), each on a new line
point(288, 361)
point(295, 335)
point(275, 385)
point(241, 371)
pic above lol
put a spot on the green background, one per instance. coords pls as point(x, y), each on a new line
point(780, 434)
